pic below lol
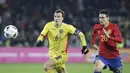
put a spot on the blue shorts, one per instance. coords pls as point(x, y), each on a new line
point(114, 63)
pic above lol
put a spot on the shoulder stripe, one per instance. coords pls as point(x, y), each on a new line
point(42, 35)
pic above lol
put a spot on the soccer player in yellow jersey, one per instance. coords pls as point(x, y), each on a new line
point(57, 33)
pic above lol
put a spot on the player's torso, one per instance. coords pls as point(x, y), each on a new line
point(102, 37)
point(57, 37)
point(107, 47)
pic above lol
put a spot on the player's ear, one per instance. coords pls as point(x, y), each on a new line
point(108, 18)
point(62, 18)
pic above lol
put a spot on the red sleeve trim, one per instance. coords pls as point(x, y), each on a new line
point(42, 35)
point(66, 50)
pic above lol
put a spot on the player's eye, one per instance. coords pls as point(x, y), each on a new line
point(101, 17)
point(8, 27)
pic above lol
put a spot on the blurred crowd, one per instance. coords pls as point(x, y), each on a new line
point(30, 16)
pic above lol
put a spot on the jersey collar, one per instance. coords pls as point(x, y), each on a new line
point(57, 25)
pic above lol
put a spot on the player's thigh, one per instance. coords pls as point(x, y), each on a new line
point(99, 64)
point(115, 65)
point(61, 69)
point(50, 64)
point(117, 70)
point(60, 63)
point(60, 59)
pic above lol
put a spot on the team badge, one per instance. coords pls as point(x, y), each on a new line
point(61, 31)
point(99, 32)
point(109, 31)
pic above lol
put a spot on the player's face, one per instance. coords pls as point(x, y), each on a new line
point(103, 19)
point(58, 18)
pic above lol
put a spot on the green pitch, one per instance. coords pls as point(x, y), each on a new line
point(38, 68)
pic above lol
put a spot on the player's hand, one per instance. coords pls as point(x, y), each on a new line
point(106, 33)
point(95, 47)
point(39, 43)
point(84, 50)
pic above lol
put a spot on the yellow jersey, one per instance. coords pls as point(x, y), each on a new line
point(58, 37)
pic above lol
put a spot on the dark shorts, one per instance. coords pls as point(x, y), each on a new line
point(114, 63)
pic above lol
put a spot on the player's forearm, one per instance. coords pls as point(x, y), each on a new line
point(40, 40)
point(95, 47)
point(41, 37)
point(82, 39)
point(117, 39)
point(93, 39)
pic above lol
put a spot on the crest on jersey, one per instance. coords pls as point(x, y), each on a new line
point(61, 31)
point(98, 32)
point(109, 31)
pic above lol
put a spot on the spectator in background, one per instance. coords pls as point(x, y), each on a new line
point(32, 15)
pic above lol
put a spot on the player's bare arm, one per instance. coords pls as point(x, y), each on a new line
point(95, 47)
point(106, 33)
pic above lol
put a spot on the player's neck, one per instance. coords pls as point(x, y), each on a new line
point(106, 24)
point(58, 25)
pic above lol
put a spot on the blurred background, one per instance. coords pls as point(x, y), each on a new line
point(30, 16)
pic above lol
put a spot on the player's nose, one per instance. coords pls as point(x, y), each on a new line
point(100, 20)
point(55, 19)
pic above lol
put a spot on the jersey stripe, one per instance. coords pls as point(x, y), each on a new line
point(42, 35)
point(66, 50)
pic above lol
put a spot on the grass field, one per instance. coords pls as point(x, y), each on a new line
point(38, 68)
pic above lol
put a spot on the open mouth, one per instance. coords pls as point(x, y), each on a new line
point(56, 21)
point(101, 22)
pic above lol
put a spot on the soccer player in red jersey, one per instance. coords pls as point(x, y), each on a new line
point(109, 35)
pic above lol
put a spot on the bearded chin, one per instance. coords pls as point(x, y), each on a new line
point(56, 22)
point(102, 24)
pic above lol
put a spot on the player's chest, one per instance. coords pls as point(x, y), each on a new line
point(100, 33)
point(60, 32)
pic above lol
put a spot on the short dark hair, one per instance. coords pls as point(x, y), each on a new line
point(104, 11)
point(60, 11)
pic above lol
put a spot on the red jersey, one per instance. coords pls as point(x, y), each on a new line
point(107, 46)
